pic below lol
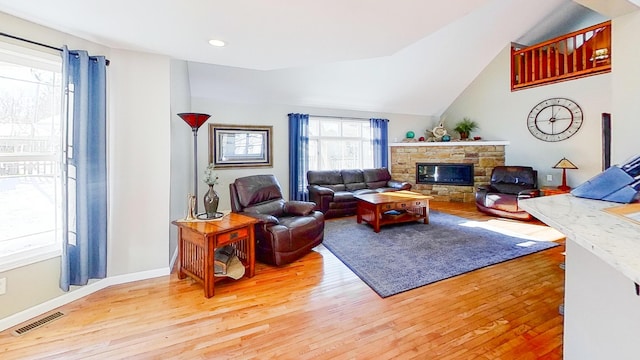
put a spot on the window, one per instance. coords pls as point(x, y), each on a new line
point(30, 100)
point(339, 143)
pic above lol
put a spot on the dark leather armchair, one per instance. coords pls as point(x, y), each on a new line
point(287, 229)
point(508, 185)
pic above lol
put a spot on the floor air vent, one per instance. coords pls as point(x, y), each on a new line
point(36, 324)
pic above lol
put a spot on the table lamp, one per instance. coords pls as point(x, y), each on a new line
point(564, 164)
point(195, 120)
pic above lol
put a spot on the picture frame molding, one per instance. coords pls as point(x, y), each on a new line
point(221, 156)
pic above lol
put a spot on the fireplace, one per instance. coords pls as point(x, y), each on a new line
point(483, 154)
point(449, 174)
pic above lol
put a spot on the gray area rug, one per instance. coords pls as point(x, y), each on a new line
point(406, 256)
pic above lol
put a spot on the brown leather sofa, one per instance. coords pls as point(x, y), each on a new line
point(333, 190)
point(507, 186)
point(287, 229)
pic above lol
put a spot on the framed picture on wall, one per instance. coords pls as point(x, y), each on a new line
point(240, 146)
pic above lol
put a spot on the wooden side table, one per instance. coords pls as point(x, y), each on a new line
point(198, 241)
point(550, 190)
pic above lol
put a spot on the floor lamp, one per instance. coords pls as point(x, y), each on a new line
point(195, 120)
point(564, 164)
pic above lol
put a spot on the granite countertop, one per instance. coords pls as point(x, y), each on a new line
point(610, 237)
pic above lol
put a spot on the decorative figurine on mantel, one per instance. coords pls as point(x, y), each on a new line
point(429, 136)
point(439, 132)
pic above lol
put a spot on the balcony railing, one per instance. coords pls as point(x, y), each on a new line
point(20, 165)
point(581, 53)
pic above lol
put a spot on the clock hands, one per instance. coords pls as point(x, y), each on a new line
point(552, 124)
point(553, 114)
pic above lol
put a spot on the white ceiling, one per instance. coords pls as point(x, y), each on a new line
point(402, 56)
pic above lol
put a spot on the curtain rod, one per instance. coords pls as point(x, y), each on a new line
point(340, 117)
point(38, 43)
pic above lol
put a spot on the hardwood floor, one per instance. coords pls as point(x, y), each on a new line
point(316, 308)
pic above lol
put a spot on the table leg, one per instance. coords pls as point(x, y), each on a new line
point(376, 219)
point(426, 213)
point(251, 256)
point(208, 286)
point(209, 278)
point(181, 274)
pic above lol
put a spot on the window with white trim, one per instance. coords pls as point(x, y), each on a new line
point(339, 143)
point(30, 144)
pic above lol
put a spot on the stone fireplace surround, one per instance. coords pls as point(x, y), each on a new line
point(484, 155)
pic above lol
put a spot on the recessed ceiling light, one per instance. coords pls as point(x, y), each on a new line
point(216, 42)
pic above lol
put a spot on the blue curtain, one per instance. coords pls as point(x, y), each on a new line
point(298, 156)
point(380, 139)
point(84, 169)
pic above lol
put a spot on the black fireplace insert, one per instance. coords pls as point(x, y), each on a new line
point(441, 173)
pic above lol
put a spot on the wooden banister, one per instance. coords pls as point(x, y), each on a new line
point(578, 54)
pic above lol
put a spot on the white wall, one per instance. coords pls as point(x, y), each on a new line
point(21, 292)
point(625, 87)
point(139, 162)
point(181, 148)
point(502, 115)
point(138, 168)
point(276, 116)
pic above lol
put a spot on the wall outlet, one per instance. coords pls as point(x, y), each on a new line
point(549, 178)
point(3, 286)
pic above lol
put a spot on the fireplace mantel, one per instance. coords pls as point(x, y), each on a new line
point(483, 154)
point(451, 143)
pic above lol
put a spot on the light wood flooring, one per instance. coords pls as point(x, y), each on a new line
point(316, 308)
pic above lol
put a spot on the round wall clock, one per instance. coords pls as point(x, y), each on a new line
point(554, 119)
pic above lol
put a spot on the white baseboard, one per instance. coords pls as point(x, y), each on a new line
point(78, 293)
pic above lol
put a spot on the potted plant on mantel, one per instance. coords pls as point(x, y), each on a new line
point(465, 127)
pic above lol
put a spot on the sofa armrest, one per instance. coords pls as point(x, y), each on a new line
point(263, 218)
point(321, 196)
point(299, 208)
point(320, 190)
point(399, 185)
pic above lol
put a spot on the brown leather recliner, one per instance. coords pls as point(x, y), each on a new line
point(287, 229)
point(508, 185)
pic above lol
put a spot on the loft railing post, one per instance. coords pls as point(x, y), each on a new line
point(557, 62)
point(584, 52)
point(514, 69)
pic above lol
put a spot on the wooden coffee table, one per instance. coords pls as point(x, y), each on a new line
point(392, 207)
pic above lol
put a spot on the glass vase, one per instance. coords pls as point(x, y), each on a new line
point(211, 200)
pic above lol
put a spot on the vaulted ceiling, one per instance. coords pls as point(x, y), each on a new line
point(405, 56)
